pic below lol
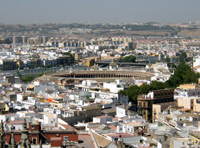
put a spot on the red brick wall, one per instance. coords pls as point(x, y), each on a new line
point(71, 137)
point(56, 143)
point(17, 138)
point(36, 127)
point(35, 136)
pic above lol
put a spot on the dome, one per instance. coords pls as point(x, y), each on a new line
point(113, 63)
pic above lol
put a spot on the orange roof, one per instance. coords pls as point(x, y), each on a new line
point(49, 99)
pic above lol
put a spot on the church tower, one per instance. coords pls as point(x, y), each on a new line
point(25, 141)
point(2, 135)
point(12, 143)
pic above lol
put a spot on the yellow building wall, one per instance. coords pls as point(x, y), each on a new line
point(90, 63)
point(195, 139)
point(156, 109)
point(187, 86)
point(184, 102)
point(196, 106)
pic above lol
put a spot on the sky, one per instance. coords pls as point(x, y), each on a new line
point(98, 11)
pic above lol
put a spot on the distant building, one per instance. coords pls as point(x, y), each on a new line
point(64, 60)
point(17, 39)
point(90, 63)
point(24, 39)
point(77, 56)
point(9, 64)
point(44, 40)
point(113, 65)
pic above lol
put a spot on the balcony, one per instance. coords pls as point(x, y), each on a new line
point(68, 143)
point(195, 134)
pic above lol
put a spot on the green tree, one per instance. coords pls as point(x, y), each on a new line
point(130, 59)
point(131, 49)
point(155, 85)
point(132, 92)
point(28, 78)
point(182, 75)
point(144, 89)
point(183, 57)
point(71, 56)
point(167, 59)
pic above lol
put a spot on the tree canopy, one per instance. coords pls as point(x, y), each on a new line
point(182, 75)
point(130, 59)
point(183, 57)
point(71, 56)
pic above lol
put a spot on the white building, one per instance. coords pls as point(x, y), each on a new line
point(196, 64)
point(114, 87)
point(26, 113)
point(47, 119)
point(102, 119)
point(121, 111)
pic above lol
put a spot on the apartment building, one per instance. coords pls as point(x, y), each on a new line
point(145, 102)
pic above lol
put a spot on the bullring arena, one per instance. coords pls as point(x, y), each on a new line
point(105, 75)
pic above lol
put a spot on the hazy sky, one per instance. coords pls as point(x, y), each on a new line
point(98, 11)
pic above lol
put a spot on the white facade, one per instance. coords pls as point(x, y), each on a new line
point(196, 61)
point(50, 119)
point(16, 126)
point(102, 119)
point(120, 111)
point(7, 117)
point(25, 114)
point(160, 77)
point(179, 93)
point(114, 87)
point(20, 97)
point(160, 66)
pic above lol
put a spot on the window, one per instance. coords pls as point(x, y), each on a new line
point(34, 140)
point(32, 126)
point(65, 138)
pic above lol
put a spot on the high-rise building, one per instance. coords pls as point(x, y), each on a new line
point(24, 39)
point(17, 39)
point(44, 40)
